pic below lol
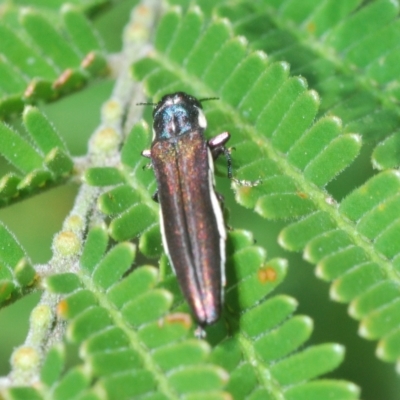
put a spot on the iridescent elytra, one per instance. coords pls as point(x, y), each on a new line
point(192, 225)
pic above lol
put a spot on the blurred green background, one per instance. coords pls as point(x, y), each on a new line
point(35, 221)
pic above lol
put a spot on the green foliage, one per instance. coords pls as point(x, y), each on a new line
point(122, 340)
point(269, 126)
point(16, 272)
point(88, 6)
point(129, 320)
point(326, 43)
point(110, 321)
point(42, 162)
point(40, 61)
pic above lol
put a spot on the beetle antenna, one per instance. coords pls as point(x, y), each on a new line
point(208, 98)
point(146, 104)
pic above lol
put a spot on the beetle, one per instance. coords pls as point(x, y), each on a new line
point(192, 225)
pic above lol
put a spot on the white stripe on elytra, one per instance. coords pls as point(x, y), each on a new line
point(219, 217)
point(164, 239)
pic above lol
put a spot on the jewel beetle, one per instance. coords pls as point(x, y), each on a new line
point(192, 225)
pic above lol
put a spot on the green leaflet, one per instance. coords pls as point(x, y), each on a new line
point(73, 383)
point(11, 82)
point(386, 154)
point(21, 393)
point(16, 272)
point(181, 354)
point(49, 40)
point(322, 389)
point(103, 176)
point(18, 151)
point(80, 30)
point(84, 5)
point(42, 161)
point(63, 283)
point(52, 365)
point(117, 200)
point(17, 51)
point(95, 247)
point(114, 264)
point(325, 357)
point(42, 132)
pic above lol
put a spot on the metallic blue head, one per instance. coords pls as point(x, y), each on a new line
point(176, 114)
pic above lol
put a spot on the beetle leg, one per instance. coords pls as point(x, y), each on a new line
point(217, 147)
point(217, 144)
point(146, 153)
point(147, 166)
point(240, 182)
point(155, 196)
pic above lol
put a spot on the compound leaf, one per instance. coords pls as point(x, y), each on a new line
point(293, 156)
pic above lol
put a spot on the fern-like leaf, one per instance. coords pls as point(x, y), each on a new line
point(294, 158)
point(326, 44)
point(258, 342)
point(130, 348)
point(58, 61)
point(133, 344)
point(132, 328)
point(261, 344)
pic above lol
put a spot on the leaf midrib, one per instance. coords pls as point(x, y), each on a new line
point(266, 380)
